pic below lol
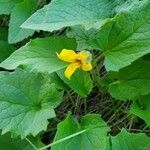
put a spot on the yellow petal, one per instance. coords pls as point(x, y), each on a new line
point(87, 66)
point(71, 69)
point(67, 55)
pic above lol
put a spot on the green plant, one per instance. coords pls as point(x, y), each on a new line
point(105, 101)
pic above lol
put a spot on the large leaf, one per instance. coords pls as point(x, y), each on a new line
point(80, 82)
point(21, 11)
point(141, 108)
point(7, 5)
point(40, 54)
point(126, 37)
point(133, 81)
point(130, 141)
point(123, 39)
point(64, 13)
point(27, 101)
point(8, 143)
point(94, 137)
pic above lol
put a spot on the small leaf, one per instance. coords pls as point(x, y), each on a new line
point(3, 34)
point(80, 82)
point(95, 138)
point(5, 50)
point(70, 13)
point(130, 141)
point(40, 54)
point(21, 11)
point(141, 108)
point(109, 78)
point(7, 5)
point(83, 37)
point(54, 78)
point(27, 101)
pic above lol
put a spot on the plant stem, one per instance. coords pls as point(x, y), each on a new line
point(31, 143)
point(70, 98)
point(99, 58)
point(85, 106)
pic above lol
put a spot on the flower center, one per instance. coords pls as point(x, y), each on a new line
point(78, 60)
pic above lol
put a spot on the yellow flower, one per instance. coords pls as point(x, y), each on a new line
point(81, 59)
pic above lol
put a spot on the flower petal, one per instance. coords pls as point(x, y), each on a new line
point(85, 56)
point(87, 66)
point(67, 55)
point(71, 69)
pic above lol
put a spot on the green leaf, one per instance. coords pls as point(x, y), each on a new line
point(133, 81)
point(27, 101)
point(7, 5)
point(70, 13)
point(123, 39)
point(130, 141)
point(94, 138)
point(40, 54)
point(54, 78)
point(106, 80)
point(21, 11)
point(141, 108)
point(5, 50)
point(109, 78)
point(126, 37)
point(83, 37)
point(3, 33)
point(80, 82)
point(8, 143)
